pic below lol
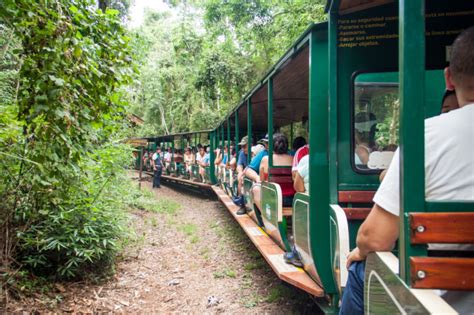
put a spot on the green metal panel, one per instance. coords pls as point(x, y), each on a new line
point(344, 63)
point(330, 130)
point(172, 149)
point(443, 206)
point(212, 144)
point(275, 228)
point(270, 121)
point(249, 129)
point(302, 233)
point(412, 115)
point(228, 139)
point(319, 163)
point(222, 136)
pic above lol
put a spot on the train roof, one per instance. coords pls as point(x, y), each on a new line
point(170, 137)
point(350, 6)
point(258, 94)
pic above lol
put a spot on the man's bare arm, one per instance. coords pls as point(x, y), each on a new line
point(378, 233)
point(298, 183)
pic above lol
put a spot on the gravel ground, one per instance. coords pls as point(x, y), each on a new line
point(194, 259)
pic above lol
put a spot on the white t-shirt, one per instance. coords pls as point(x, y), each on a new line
point(167, 157)
point(449, 161)
point(303, 170)
point(449, 175)
point(199, 157)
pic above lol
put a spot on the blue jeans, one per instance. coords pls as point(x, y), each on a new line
point(157, 178)
point(353, 297)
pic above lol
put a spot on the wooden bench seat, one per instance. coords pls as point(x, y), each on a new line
point(442, 227)
point(357, 213)
point(448, 273)
point(356, 204)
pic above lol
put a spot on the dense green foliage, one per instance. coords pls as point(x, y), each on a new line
point(200, 60)
point(63, 66)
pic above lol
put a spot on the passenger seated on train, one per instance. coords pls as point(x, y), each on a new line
point(167, 157)
point(280, 158)
point(221, 157)
point(205, 160)
point(299, 154)
point(256, 149)
point(200, 156)
point(298, 142)
point(448, 158)
point(300, 184)
point(253, 169)
point(225, 157)
point(365, 126)
point(241, 165)
point(178, 156)
point(301, 180)
point(188, 160)
point(233, 159)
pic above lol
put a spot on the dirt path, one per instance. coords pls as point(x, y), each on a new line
point(190, 257)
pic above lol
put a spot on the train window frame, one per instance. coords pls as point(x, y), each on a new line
point(352, 117)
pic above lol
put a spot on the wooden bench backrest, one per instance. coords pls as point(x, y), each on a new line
point(451, 273)
point(355, 203)
point(283, 177)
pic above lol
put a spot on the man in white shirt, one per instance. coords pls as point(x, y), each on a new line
point(449, 171)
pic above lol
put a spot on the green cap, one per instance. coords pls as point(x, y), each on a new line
point(244, 140)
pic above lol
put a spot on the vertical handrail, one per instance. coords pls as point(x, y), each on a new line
point(237, 140)
point(228, 139)
point(249, 129)
point(212, 146)
point(412, 115)
point(270, 121)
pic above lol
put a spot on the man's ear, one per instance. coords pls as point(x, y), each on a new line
point(448, 78)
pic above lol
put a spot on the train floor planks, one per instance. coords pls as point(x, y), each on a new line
point(272, 253)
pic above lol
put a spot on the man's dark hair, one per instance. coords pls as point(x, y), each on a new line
point(280, 143)
point(462, 56)
point(298, 143)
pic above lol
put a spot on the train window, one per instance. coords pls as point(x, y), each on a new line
point(375, 120)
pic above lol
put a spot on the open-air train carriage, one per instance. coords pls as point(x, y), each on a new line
point(365, 80)
point(175, 171)
point(282, 102)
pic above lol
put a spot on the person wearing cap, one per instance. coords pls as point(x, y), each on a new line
point(256, 149)
point(157, 168)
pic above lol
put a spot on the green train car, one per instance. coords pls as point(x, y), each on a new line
point(366, 78)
